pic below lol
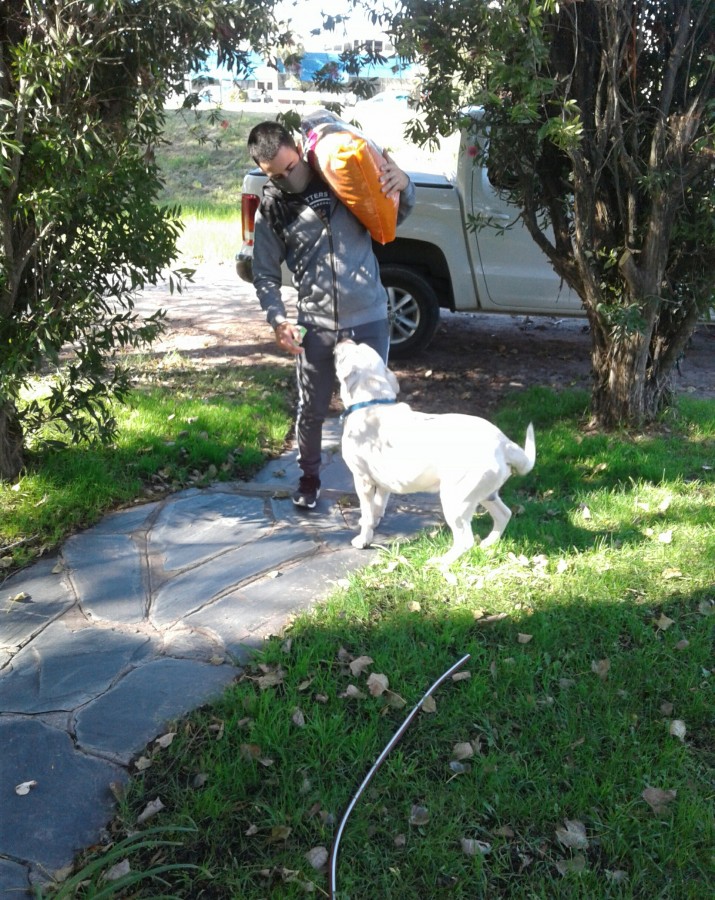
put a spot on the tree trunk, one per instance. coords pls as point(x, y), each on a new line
point(11, 458)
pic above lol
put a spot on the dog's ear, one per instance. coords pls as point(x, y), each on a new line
point(351, 379)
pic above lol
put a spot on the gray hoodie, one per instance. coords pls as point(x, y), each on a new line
point(334, 268)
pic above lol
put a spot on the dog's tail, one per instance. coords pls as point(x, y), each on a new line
point(522, 461)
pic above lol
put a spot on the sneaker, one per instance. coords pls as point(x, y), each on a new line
point(308, 492)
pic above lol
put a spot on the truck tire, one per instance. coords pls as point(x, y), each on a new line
point(413, 310)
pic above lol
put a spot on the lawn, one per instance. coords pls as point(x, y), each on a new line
point(572, 756)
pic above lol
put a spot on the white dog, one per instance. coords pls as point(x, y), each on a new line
point(389, 447)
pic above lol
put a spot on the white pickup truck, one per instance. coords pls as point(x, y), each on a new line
point(438, 262)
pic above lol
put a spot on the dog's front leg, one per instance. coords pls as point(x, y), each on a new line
point(366, 491)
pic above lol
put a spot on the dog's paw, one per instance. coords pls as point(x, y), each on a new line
point(360, 542)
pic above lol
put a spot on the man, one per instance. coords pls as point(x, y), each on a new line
point(340, 295)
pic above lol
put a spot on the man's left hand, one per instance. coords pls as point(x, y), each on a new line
point(392, 178)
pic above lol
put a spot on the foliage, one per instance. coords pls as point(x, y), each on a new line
point(600, 116)
point(82, 89)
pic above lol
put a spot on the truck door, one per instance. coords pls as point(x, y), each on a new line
point(516, 274)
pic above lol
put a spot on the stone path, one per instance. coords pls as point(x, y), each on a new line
point(141, 619)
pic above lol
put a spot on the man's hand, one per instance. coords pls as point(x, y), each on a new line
point(288, 338)
point(392, 178)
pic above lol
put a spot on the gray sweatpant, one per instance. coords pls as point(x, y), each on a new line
point(315, 372)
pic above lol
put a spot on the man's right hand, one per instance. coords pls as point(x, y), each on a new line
point(288, 338)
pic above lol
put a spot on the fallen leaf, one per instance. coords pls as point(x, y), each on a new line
point(616, 876)
point(472, 847)
point(354, 693)
point(504, 831)
point(304, 685)
point(25, 787)
point(199, 780)
point(666, 708)
point(298, 718)
point(399, 840)
point(666, 537)
point(165, 740)
point(561, 566)
point(317, 857)
point(663, 623)
point(683, 644)
point(142, 764)
point(279, 833)
point(575, 864)
point(585, 511)
point(601, 668)
point(118, 871)
point(461, 676)
point(463, 750)
point(573, 835)
point(419, 815)
point(251, 830)
point(671, 573)
point(271, 679)
point(393, 700)
point(377, 684)
point(658, 799)
point(678, 729)
point(151, 809)
point(429, 704)
point(358, 666)
point(524, 638)
point(459, 768)
point(413, 606)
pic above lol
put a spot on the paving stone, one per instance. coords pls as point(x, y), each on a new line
point(108, 575)
point(196, 528)
point(121, 722)
point(14, 880)
point(239, 616)
point(127, 521)
point(61, 669)
point(49, 597)
point(192, 590)
point(67, 808)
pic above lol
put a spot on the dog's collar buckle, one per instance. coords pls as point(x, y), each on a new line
point(365, 403)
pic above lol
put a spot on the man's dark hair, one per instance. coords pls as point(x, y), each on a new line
point(266, 139)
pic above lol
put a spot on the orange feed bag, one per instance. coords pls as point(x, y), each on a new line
point(350, 163)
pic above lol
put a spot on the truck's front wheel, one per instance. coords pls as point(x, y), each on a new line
point(413, 310)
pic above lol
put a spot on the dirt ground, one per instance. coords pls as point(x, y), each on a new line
point(472, 363)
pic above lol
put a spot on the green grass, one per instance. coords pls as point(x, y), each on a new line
point(203, 164)
point(182, 426)
point(590, 632)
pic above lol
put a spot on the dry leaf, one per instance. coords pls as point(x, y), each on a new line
point(358, 666)
point(678, 729)
point(666, 537)
point(413, 606)
point(279, 833)
point(524, 638)
point(118, 871)
point(573, 835)
point(151, 809)
point(666, 708)
point(142, 764)
point(585, 511)
point(663, 623)
point(601, 668)
point(400, 840)
point(377, 684)
point(317, 857)
point(25, 787)
point(576, 864)
point(199, 780)
point(658, 799)
point(504, 831)
point(473, 847)
point(561, 566)
point(461, 676)
point(353, 692)
point(616, 876)
point(304, 685)
point(251, 830)
point(671, 573)
point(250, 751)
point(683, 644)
point(419, 815)
point(393, 700)
point(298, 718)
point(165, 740)
point(271, 679)
point(429, 704)
point(463, 750)
point(459, 768)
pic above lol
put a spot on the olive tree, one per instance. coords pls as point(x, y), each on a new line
point(82, 88)
point(600, 116)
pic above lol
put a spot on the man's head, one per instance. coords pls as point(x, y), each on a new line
point(275, 152)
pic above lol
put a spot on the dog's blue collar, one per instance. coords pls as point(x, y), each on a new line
point(365, 403)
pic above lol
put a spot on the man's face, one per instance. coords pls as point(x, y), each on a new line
point(288, 170)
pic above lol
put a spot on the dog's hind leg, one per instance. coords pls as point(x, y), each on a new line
point(458, 515)
point(500, 513)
